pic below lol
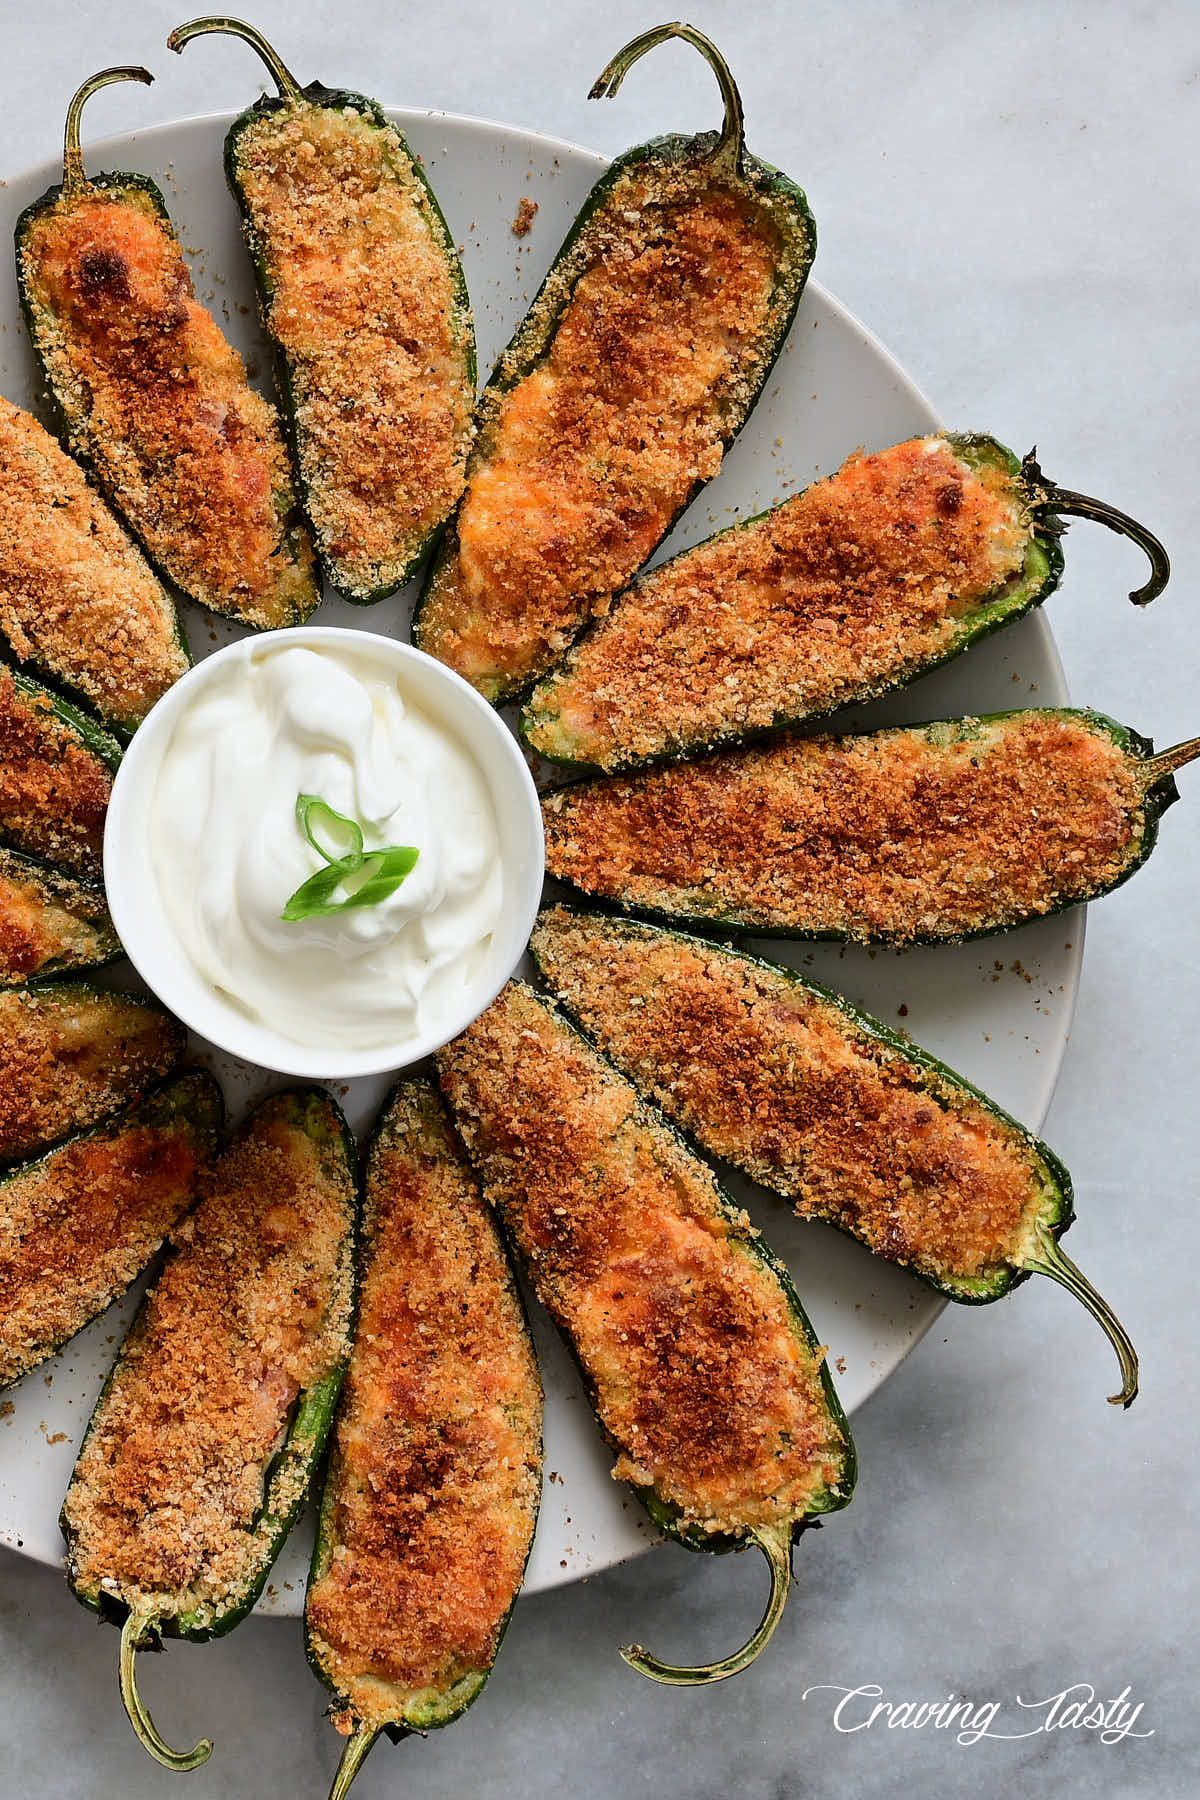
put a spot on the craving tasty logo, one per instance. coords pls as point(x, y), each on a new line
point(1075, 1708)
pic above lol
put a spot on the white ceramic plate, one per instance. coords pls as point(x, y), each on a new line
point(999, 1011)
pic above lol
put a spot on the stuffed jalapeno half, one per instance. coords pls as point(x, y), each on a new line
point(435, 1474)
point(56, 774)
point(923, 834)
point(639, 360)
point(50, 923)
point(205, 1439)
point(151, 396)
point(816, 1100)
point(71, 1054)
point(78, 601)
point(81, 1223)
point(362, 295)
point(702, 1367)
point(854, 587)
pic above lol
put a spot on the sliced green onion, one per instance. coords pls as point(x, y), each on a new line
point(381, 871)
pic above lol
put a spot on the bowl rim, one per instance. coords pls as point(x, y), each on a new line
point(133, 785)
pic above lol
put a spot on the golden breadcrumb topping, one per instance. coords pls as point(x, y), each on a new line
point(53, 790)
point(702, 1377)
point(70, 1055)
point(48, 922)
point(934, 832)
point(159, 403)
point(77, 597)
point(664, 312)
point(436, 1472)
point(78, 1226)
point(784, 1083)
point(843, 590)
point(364, 308)
point(526, 213)
point(165, 1510)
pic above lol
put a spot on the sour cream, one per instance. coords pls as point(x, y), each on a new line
point(279, 720)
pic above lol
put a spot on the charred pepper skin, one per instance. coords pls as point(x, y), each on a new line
point(292, 548)
point(533, 339)
point(1043, 508)
point(338, 100)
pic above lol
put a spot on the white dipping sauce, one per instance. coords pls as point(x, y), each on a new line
point(228, 853)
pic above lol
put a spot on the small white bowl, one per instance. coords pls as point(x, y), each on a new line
point(145, 930)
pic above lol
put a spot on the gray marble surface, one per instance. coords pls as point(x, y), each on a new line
point(1008, 196)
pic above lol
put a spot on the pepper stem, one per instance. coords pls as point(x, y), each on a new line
point(731, 143)
point(1047, 498)
point(775, 1542)
point(358, 1748)
point(74, 179)
point(1157, 768)
point(1057, 1264)
point(134, 1633)
point(289, 87)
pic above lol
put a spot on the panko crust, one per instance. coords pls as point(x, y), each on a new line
point(931, 832)
point(701, 1376)
point(436, 1469)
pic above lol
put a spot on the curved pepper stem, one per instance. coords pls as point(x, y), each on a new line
point(1157, 768)
point(134, 1634)
point(285, 81)
point(358, 1748)
point(775, 1542)
point(731, 143)
point(74, 179)
point(1061, 502)
point(1055, 1263)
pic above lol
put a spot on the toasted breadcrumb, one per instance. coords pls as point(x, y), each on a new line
point(158, 402)
point(435, 1475)
point(165, 1509)
point(48, 922)
point(842, 590)
point(934, 832)
point(701, 1377)
point(53, 790)
point(378, 345)
point(780, 1081)
point(78, 1226)
point(527, 212)
point(650, 338)
point(69, 1055)
point(77, 597)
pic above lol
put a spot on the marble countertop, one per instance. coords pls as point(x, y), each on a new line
point(1008, 196)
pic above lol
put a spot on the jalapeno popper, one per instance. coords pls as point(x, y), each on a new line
point(639, 360)
point(56, 770)
point(363, 297)
point(857, 586)
point(78, 1225)
point(204, 1441)
point(435, 1476)
point(703, 1369)
point(71, 1054)
point(50, 924)
point(812, 1097)
point(926, 834)
point(78, 601)
point(152, 397)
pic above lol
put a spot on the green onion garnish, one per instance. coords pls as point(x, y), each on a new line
point(370, 875)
